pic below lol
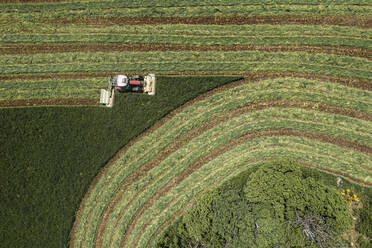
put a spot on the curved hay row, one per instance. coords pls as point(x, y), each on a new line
point(138, 185)
point(351, 96)
point(156, 216)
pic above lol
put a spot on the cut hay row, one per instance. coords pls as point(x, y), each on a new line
point(154, 187)
point(264, 40)
point(160, 212)
point(193, 30)
point(325, 64)
point(186, 56)
point(157, 177)
point(27, 48)
point(192, 67)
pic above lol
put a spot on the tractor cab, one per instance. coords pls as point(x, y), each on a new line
point(128, 84)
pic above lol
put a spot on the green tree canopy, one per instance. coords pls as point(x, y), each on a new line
point(275, 205)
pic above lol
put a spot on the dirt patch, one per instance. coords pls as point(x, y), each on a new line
point(224, 148)
point(29, 48)
point(363, 22)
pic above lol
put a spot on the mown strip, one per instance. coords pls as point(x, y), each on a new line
point(195, 67)
point(119, 9)
point(27, 48)
point(20, 26)
point(81, 58)
point(339, 20)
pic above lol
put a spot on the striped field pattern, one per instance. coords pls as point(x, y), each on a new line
point(44, 46)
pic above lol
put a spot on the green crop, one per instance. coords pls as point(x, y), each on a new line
point(44, 171)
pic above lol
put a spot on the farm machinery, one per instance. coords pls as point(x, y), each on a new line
point(124, 83)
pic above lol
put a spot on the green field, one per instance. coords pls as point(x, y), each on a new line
point(84, 176)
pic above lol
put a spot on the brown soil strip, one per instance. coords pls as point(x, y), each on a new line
point(48, 102)
point(197, 131)
point(29, 48)
point(224, 148)
point(363, 22)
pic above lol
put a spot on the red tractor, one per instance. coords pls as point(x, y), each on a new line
point(123, 83)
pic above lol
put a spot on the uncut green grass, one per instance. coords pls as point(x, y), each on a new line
point(152, 149)
point(43, 181)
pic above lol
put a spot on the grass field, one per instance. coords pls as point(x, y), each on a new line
point(306, 96)
point(49, 156)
